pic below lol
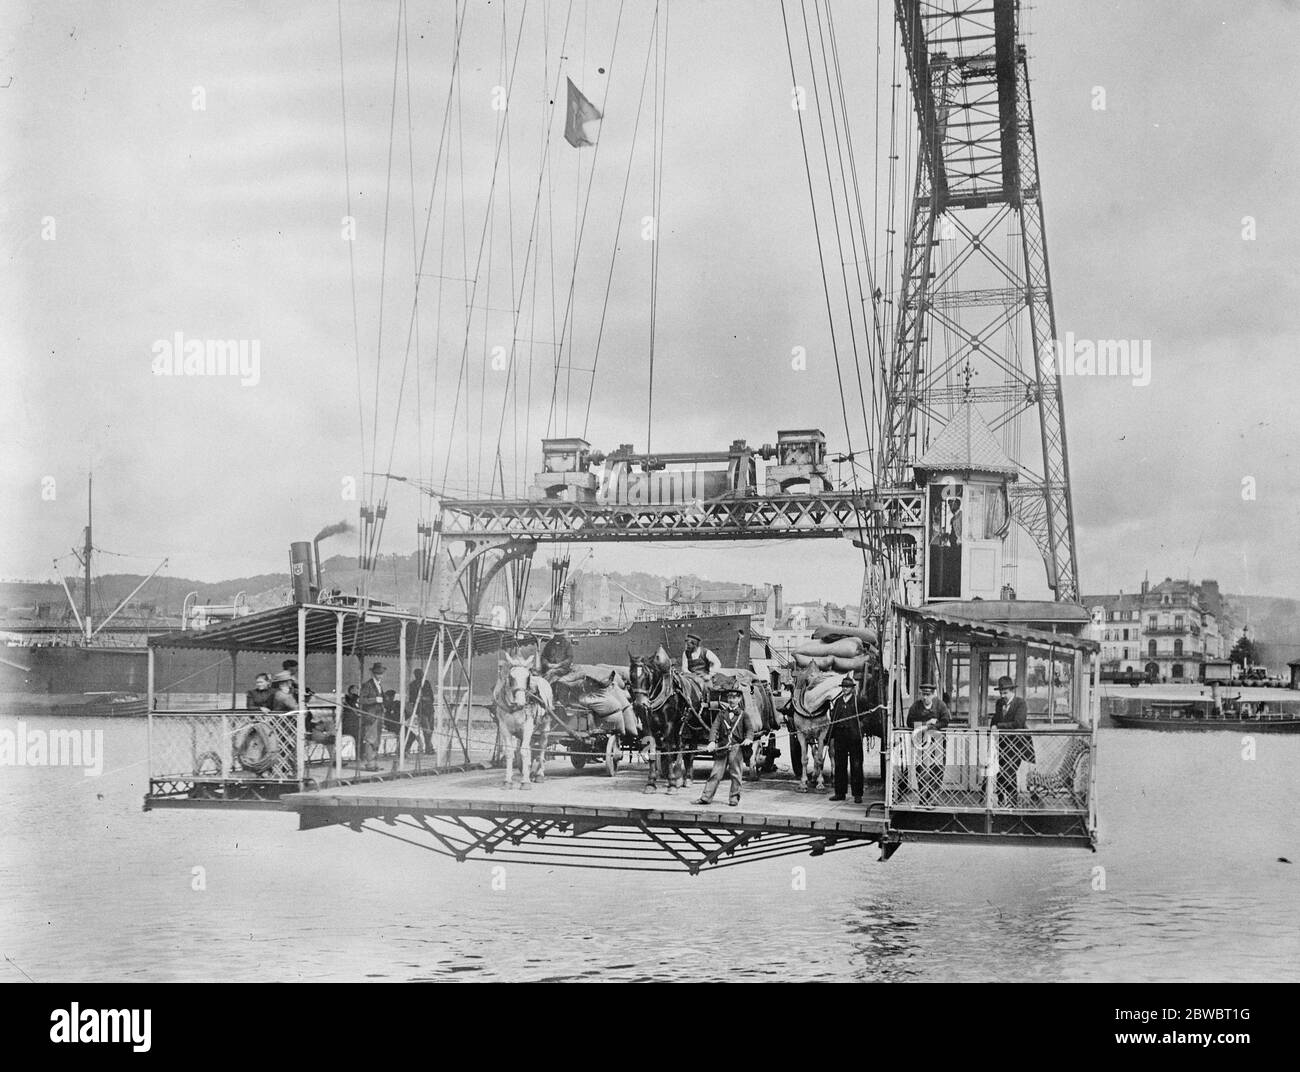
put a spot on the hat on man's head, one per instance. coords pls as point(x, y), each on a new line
point(1005, 682)
point(378, 668)
point(281, 677)
point(289, 664)
point(928, 686)
point(692, 636)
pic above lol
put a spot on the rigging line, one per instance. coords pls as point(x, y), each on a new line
point(595, 159)
point(452, 88)
point(533, 232)
point(383, 255)
point(657, 133)
point(659, 208)
point(862, 226)
point(609, 279)
point(821, 260)
point(830, 186)
point(352, 267)
point(848, 210)
point(473, 287)
point(415, 253)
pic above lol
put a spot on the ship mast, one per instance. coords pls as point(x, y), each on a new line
point(86, 552)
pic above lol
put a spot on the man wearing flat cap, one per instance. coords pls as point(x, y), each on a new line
point(1015, 745)
point(927, 718)
point(725, 740)
point(372, 715)
point(697, 659)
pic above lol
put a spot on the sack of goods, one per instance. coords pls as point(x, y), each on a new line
point(837, 663)
point(845, 648)
point(822, 692)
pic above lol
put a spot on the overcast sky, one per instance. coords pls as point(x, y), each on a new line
point(223, 222)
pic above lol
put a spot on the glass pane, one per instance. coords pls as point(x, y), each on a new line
point(1063, 690)
point(1038, 688)
point(956, 687)
point(999, 664)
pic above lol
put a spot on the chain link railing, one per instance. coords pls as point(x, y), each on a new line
point(1021, 771)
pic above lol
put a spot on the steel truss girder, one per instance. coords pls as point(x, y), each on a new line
point(595, 844)
point(758, 517)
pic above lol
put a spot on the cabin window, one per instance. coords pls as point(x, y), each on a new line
point(956, 684)
point(944, 537)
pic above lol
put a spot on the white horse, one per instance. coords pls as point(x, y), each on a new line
point(810, 711)
point(524, 705)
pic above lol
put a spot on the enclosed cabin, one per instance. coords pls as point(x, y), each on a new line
point(966, 477)
point(973, 778)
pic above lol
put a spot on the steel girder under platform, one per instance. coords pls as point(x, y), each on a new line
point(594, 822)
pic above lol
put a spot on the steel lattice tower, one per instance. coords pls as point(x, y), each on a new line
point(975, 279)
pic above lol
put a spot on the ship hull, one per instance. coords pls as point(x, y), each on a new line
point(1236, 725)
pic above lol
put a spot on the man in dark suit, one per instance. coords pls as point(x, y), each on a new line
point(930, 714)
point(420, 703)
point(372, 715)
point(1015, 746)
point(846, 733)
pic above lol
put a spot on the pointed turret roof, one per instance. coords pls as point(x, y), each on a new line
point(966, 444)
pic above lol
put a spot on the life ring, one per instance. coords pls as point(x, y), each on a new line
point(254, 748)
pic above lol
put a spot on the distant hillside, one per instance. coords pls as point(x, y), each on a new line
point(394, 580)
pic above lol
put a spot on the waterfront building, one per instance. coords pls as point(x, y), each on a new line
point(1117, 626)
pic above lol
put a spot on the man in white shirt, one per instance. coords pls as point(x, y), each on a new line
point(697, 659)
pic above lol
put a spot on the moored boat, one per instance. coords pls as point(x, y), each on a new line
point(1205, 715)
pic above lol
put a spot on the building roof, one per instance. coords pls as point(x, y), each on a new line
point(377, 632)
point(941, 614)
point(966, 444)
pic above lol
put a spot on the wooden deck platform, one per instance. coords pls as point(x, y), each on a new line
point(589, 819)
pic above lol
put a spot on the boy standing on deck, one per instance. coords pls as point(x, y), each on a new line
point(725, 739)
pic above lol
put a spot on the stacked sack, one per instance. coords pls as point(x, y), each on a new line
point(840, 650)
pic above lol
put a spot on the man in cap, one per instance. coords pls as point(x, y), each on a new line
point(697, 659)
point(557, 656)
point(1015, 746)
point(725, 739)
point(372, 714)
point(927, 718)
point(283, 698)
point(846, 734)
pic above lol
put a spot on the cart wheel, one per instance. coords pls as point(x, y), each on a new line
point(613, 753)
point(578, 760)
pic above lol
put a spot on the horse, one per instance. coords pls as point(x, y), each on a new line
point(524, 705)
point(671, 706)
point(812, 722)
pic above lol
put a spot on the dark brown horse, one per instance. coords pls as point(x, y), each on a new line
point(672, 706)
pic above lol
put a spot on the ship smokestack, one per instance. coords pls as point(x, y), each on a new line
point(302, 572)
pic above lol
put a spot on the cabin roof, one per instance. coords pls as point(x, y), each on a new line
point(1016, 610)
point(948, 615)
point(966, 444)
point(276, 630)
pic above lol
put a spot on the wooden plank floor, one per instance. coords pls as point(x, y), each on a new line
point(773, 803)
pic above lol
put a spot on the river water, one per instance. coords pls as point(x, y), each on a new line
point(93, 888)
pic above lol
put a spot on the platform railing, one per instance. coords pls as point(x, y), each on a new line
point(226, 746)
point(990, 770)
